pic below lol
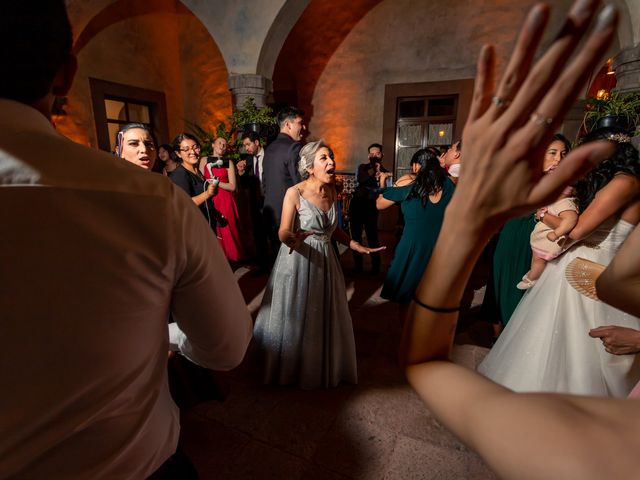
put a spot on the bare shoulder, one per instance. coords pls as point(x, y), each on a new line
point(622, 185)
point(292, 195)
point(622, 178)
point(405, 180)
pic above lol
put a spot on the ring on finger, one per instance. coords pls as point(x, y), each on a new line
point(500, 102)
point(541, 120)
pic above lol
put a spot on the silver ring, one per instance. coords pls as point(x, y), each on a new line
point(500, 102)
point(541, 120)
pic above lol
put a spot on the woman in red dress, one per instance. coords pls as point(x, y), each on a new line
point(225, 202)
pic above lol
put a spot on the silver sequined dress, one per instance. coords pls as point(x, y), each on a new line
point(304, 328)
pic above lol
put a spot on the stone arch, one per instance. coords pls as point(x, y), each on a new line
point(309, 47)
point(280, 29)
point(184, 62)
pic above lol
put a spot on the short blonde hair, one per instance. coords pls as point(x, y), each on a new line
point(308, 154)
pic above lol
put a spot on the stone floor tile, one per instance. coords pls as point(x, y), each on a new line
point(355, 447)
point(210, 445)
point(413, 459)
point(258, 460)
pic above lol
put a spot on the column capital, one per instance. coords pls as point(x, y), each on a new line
point(627, 67)
point(248, 85)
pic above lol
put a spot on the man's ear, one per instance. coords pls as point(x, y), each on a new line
point(64, 78)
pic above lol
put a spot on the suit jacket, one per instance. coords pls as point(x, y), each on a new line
point(280, 171)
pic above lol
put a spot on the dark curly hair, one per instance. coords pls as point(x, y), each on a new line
point(431, 177)
point(624, 160)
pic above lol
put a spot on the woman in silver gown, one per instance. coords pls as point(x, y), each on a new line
point(304, 327)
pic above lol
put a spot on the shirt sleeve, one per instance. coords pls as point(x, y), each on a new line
point(213, 325)
point(294, 157)
point(396, 194)
point(182, 180)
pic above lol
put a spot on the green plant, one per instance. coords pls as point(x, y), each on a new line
point(250, 113)
point(208, 136)
point(618, 104)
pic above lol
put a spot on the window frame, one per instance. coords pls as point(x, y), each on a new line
point(102, 90)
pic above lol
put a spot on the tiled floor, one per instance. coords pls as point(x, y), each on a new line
point(377, 429)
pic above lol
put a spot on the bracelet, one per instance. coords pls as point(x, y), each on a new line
point(437, 309)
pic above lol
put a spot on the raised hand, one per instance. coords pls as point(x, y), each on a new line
point(510, 126)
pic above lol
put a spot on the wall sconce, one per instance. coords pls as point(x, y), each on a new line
point(442, 133)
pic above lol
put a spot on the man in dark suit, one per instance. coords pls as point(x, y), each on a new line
point(281, 170)
point(250, 198)
point(362, 210)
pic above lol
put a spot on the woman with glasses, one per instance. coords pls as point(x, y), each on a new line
point(186, 148)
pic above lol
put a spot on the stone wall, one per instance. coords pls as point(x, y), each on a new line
point(167, 52)
point(403, 41)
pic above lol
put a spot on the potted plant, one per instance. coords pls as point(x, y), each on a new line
point(208, 136)
point(618, 110)
point(250, 118)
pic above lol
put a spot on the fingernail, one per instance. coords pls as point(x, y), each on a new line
point(582, 9)
point(536, 17)
point(606, 17)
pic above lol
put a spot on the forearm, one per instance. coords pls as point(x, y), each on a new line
point(428, 335)
point(229, 187)
point(200, 199)
point(619, 284)
point(340, 236)
point(551, 220)
point(285, 234)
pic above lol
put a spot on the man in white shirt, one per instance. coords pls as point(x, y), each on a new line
point(95, 253)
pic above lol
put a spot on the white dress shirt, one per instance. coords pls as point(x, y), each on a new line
point(258, 159)
point(94, 253)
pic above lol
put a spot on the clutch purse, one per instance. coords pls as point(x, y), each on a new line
point(582, 275)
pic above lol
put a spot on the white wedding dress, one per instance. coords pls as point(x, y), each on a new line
point(546, 344)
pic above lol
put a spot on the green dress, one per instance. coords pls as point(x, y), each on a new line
point(421, 229)
point(511, 260)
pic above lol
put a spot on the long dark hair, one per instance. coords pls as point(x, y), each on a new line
point(431, 177)
point(624, 160)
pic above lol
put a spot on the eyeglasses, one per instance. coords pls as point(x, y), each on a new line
point(193, 148)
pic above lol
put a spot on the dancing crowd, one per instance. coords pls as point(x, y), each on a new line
point(122, 268)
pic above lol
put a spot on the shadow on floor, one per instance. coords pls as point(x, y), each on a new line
point(376, 429)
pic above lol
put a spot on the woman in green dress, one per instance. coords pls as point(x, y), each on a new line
point(423, 197)
point(512, 256)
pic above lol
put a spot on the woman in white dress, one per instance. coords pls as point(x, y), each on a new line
point(304, 327)
point(546, 346)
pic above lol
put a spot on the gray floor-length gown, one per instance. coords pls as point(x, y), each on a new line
point(304, 327)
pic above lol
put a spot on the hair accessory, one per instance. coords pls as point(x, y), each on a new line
point(541, 120)
point(500, 102)
point(582, 275)
point(619, 137)
point(437, 309)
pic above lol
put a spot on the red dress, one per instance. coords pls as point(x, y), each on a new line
point(225, 203)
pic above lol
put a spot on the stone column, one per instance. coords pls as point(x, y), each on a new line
point(627, 67)
point(248, 85)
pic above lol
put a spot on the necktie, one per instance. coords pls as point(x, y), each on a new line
point(257, 166)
